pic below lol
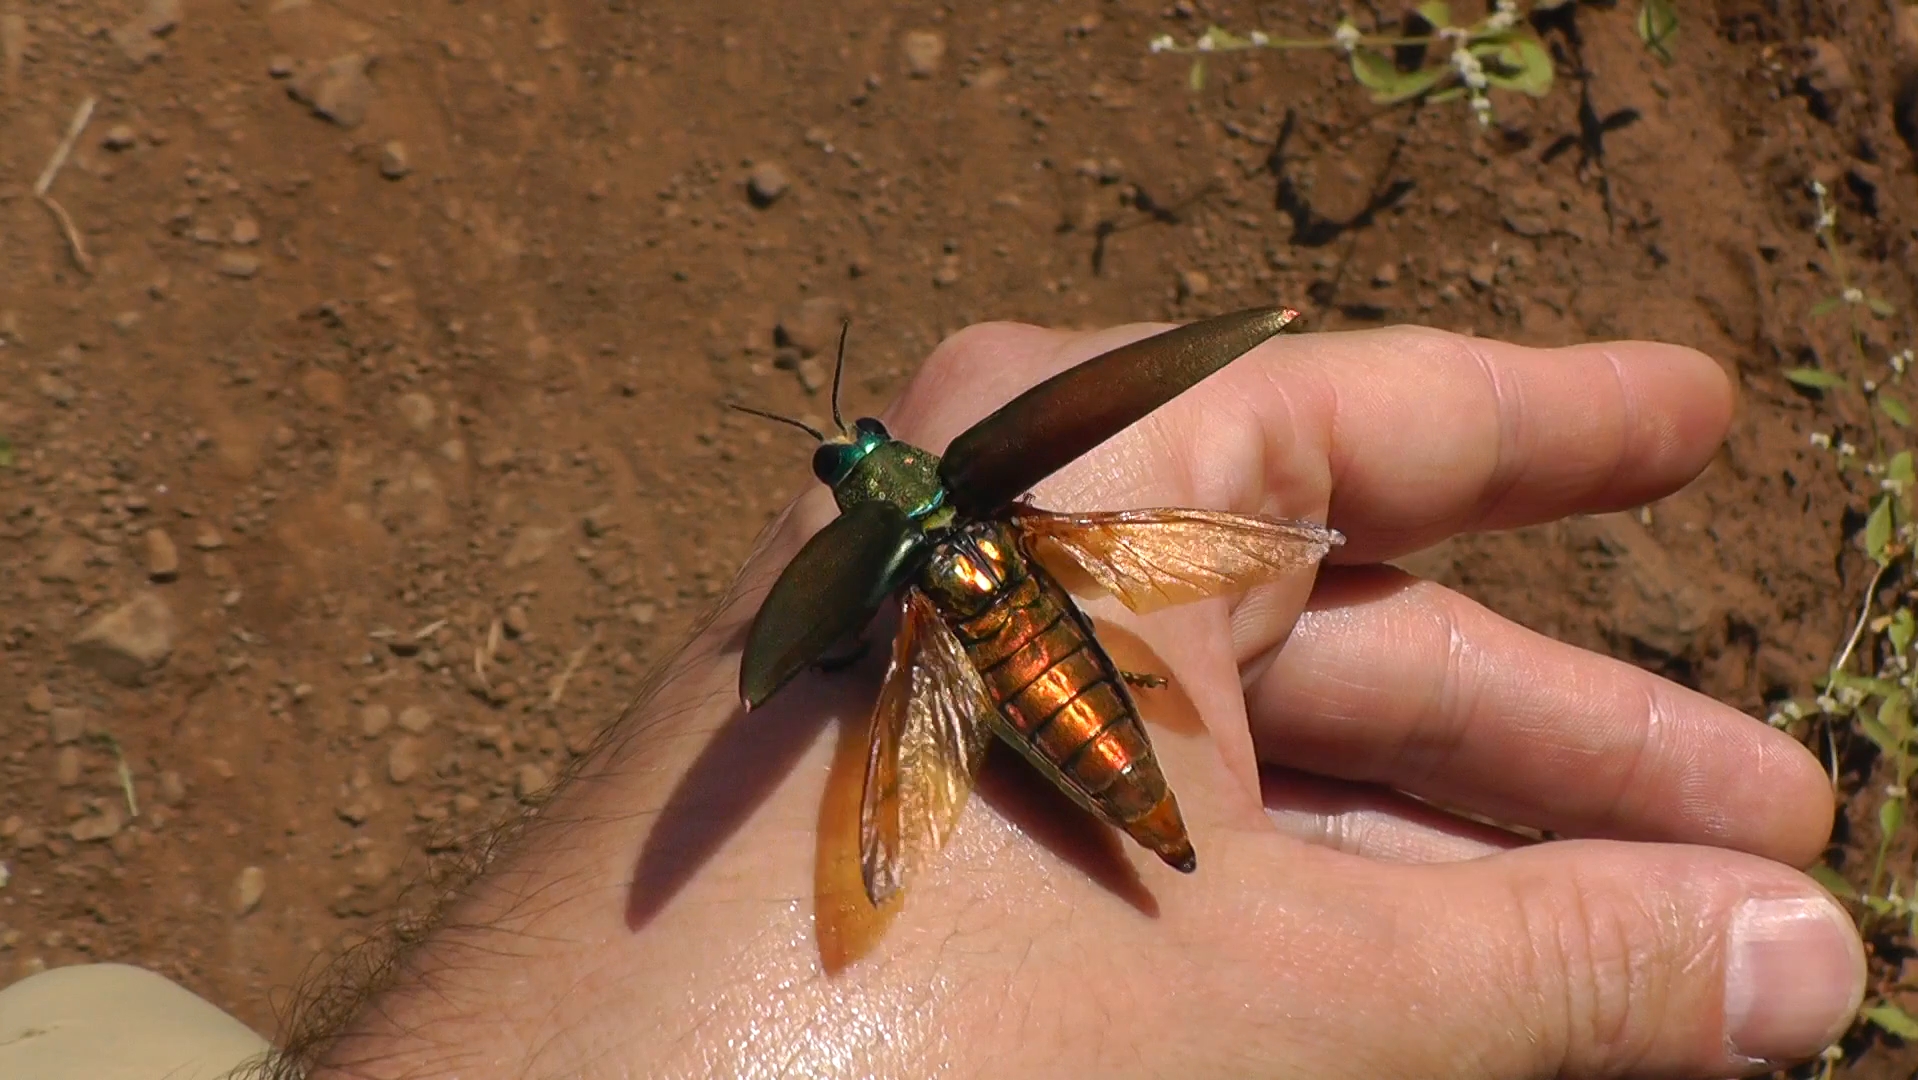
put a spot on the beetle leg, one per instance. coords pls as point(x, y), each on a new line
point(1144, 681)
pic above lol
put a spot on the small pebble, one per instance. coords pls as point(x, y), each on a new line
point(403, 761)
point(118, 137)
point(66, 766)
point(1194, 283)
point(249, 890)
point(415, 719)
point(40, 700)
point(529, 781)
point(281, 66)
point(235, 264)
point(375, 719)
point(924, 50)
point(393, 160)
point(66, 726)
point(766, 183)
point(163, 558)
point(246, 232)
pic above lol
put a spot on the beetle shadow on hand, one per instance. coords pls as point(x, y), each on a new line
point(735, 773)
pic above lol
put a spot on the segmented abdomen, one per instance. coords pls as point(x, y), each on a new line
point(1063, 702)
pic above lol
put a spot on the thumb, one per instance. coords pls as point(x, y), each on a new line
point(1592, 959)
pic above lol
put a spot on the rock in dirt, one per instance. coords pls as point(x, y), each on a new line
point(245, 232)
point(40, 700)
point(375, 719)
point(172, 788)
point(1529, 211)
point(529, 781)
point(119, 137)
point(66, 766)
point(1827, 77)
point(237, 264)
point(249, 890)
point(163, 558)
point(394, 163)
point(924, 50)
point(127, 642)
point(104, 825)
point(66, 564)
point(766, 183)
point(418, 411)
point(339, 90)
point(416, 720)
point(812, 325)
point(66, 726)
point(403, 761)
point(139, 37)
point(530, 545)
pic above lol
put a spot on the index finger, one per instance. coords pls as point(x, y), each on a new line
point(1400, 437)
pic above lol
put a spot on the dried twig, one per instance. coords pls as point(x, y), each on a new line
point(42, 186)
point(572, 667)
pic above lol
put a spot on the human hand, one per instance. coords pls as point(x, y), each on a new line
point(687, 907)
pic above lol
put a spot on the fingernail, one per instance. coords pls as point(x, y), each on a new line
point(1794, 977)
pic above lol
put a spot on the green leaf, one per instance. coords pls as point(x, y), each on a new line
point(1878, 904)
point(1815, 378)
point(1895, 410)
point(1436, 12)
point(1880, 307)
point(6, 452)
point(1195, 78)
point(1373, 69)
point(1657, 27)
point(1524, 66)
point(1885, 741)
point(1878, 530)
point(1901, 630)
point(1899, 469)
point(1450, 93)
point(1826, 306)
point(1894, 714)
point(1891, 816)
point(1834, 882)
point(1892, 1020)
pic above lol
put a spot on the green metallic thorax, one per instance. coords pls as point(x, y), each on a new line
point(898, 473)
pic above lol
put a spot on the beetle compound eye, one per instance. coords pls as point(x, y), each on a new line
point(866, 425)
point(831, 462)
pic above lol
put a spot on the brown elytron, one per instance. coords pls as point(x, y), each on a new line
point(1056, 695)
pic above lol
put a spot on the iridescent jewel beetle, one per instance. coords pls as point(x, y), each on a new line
point(990, 642)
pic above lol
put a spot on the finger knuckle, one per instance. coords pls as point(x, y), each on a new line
point(1594, 958)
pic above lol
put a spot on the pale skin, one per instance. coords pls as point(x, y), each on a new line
point(666, 917)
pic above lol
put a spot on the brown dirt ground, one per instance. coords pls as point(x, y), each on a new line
point(475, 406)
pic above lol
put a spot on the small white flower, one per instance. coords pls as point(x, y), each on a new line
point(1163, 43)
point(1851, 696)
point(1827, 704)
point(1821, 440)
point(1870, 385)
point(1818, 189)
point(1346, 36)
point(1470, 71)
point(1257, 37)
point(1900, 361)
point(1895, 791)
point(1205, 44)
point(1846, 449)
point(1854, 295)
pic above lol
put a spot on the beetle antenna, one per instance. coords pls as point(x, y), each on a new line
point(839, 369)
point(800, 424)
